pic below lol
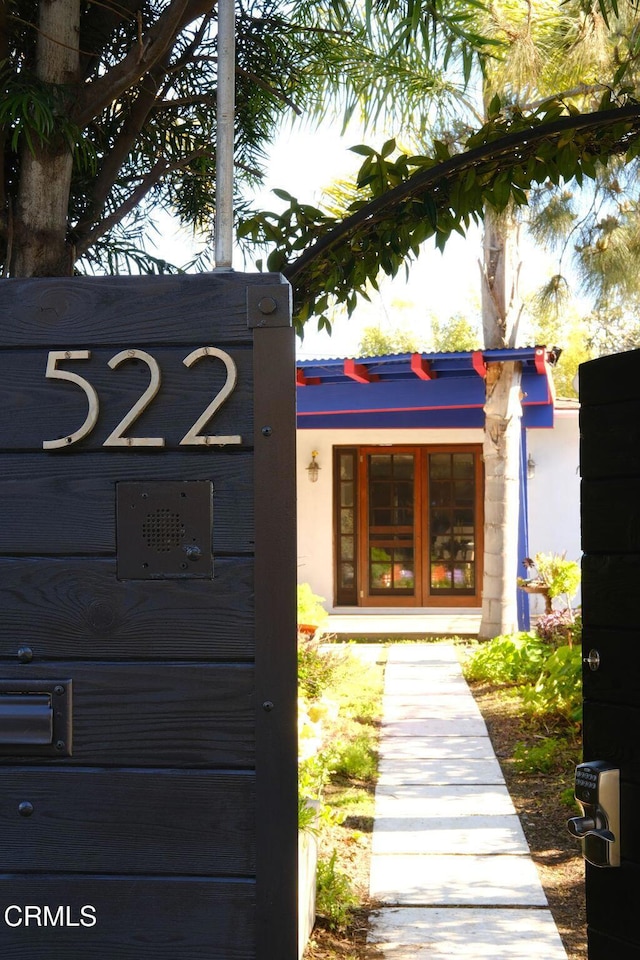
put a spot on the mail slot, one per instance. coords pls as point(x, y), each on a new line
point(26, 719)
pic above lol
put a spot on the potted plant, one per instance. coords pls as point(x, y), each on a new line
point(551, 575)
point(311, 613)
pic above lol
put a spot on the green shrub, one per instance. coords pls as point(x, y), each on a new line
point(358, 759)
point(310, 609)
point(334, 895)
point(317, 670)
point(539, 758)
point(508, 659)
point(562, 576)
point(560, 627)
point(558, 690)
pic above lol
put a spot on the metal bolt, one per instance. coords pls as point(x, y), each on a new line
point(267, 706)
point(267, 431)
point(60, 745)
point(25, 654)
point(593, 660)
point(25, 809)
point(58, 689)
point(267, 305)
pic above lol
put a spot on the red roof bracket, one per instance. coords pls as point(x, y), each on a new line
point(478, 364)
point(303, 381)
point(421, 367)
point(359, 372)
point(540, 360)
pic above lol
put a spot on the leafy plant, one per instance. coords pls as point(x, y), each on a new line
point(558, 690)
point(358, 759)
point(334, 895)
point(508, 659)
point(560, 627)
point(560, 576)
point(310, 609)
point(317, 670)
point(539, 758)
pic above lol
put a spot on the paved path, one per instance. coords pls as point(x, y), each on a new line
point(450, 861)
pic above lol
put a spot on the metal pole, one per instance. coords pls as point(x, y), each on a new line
point(225, 99)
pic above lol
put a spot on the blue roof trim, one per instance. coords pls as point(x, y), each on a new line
point(469, 417)
point(398, 397)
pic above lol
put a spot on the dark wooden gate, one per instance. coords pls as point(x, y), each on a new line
point(147, 619)
point(610, 466)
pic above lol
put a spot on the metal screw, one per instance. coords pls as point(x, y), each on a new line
point(58, 689)
point(267, 431)
point(25, 654)
point(60, 745)
point(267, 706)
point(25, 809)
point(267, 305)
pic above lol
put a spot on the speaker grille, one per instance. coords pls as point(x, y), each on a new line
point(163, 530)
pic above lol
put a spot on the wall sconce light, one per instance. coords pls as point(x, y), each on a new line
point(531, 468)
point(314, 467)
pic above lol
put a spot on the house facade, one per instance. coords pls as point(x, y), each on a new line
point(392, 518)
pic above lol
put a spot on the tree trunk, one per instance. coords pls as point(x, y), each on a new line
point(503, 414)
point(40, 246)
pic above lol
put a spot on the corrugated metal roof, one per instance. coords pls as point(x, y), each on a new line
point(417, 389)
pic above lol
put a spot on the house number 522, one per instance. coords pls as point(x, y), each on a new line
point(118, 438)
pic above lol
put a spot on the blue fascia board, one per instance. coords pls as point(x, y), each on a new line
point(443, 418)
point(404, 396)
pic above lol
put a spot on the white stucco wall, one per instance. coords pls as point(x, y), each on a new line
point(554, 491)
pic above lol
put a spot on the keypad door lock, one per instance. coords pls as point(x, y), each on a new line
point(597, 790)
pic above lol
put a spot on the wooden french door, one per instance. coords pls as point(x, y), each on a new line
point(408, 525)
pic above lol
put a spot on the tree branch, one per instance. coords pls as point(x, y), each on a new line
point(157, 172)
point(114, 159)
point(426, 182)
point(140, 60)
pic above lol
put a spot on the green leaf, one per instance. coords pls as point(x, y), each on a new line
point(283, 195)
point(276, 261)
point(363, 150)
point(493, 110)
point(388, 147)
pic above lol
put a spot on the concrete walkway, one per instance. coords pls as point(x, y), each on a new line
point(450, 861)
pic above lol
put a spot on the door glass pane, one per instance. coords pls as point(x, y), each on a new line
point(391, 491)
point(346, 521)
point(346, 548)
point(463, 466)
point(346, 507)
point(380, 466)
point(452, 523)
point(440, 466)
point(346, 494)
point(346, 467)
point(403, 466)
point(347, 575)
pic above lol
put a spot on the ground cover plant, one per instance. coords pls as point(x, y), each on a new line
point(340, 688)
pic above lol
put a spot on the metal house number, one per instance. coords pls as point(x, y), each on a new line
point(118, 438)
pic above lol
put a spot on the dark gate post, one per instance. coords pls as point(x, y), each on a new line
point(148, 749)
point(610, 468)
